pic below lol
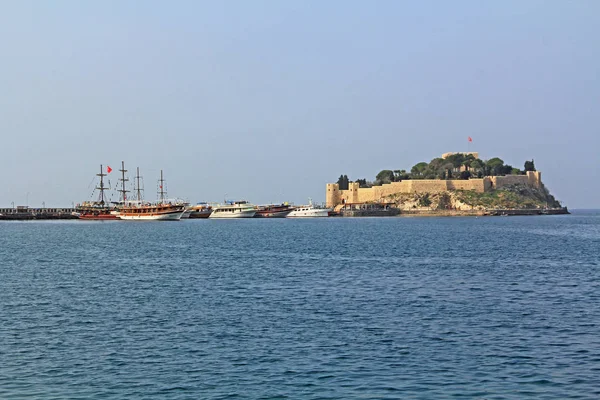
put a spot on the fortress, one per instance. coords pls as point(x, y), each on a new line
point(355, 194)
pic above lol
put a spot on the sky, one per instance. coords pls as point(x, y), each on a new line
point(268, 101)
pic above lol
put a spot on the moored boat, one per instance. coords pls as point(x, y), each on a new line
point(93, 212)
point(100, 209)
point(186, 213)
point(235, 209)
point(151, 212)
point(201, 210)
point(309, 211)
point(145, 211)
point(273, 211)
point(187, 209)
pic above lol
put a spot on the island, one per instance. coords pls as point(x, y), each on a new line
point(453, 184)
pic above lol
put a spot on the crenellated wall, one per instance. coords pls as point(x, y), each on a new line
point(354, 194)
point(531, 178)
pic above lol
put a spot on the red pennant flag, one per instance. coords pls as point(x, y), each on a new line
point(470, 140)
point(108, 169)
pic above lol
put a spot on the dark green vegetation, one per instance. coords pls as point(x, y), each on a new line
point(456, 166)
point(343, 182)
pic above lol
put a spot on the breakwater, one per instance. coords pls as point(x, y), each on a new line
point(26, 213)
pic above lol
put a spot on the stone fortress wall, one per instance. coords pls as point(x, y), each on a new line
point(354, 194)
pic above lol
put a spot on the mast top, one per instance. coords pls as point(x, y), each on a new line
point(102, 188)
point(138, 189)
point(123, 190)
point(161, 192)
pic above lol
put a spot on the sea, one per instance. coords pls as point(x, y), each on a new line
point(332, 308)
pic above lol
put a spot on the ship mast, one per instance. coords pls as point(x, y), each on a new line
point(161, 187)
point(123, 180)
point(101, 187)
point(138, 189)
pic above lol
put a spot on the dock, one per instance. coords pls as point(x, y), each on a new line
point(24, 213)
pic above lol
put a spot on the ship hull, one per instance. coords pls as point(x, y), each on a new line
point(165, 216)
point(98, 217)
point(236, 214)
point(200, 214)
point(315, 213)
point(272, 214)
point(186, 214)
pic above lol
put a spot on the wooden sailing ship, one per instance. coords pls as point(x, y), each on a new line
point(100, 209)
point(139, 210)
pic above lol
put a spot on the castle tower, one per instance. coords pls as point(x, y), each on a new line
point(534, 178)
point(332, 195)
point(353, 192)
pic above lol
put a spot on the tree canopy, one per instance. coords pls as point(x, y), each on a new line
point(529, 166)
point(455, 166)
point(385, 176)
point(343, 182)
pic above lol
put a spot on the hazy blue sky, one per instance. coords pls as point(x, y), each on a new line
point(270, 100)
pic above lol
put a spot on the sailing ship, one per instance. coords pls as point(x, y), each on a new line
point(139, 210)
point(100, 209)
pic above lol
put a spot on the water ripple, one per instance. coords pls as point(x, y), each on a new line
point(498, 308)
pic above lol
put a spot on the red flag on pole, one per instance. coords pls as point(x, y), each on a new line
point(108, 169)
point(470, 140)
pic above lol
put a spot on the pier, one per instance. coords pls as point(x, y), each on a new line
point(25, 213)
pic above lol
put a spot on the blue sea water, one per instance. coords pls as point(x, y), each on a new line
point(388, 308)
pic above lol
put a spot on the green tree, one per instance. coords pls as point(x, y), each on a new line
point(400, 175)
point(456, 159)
point(492, 162)
point(418, 170)
point(465, 175)
point(437, 164)
point(362, 183)
point(529, 166)
point(385, 176)
point(507, 170)
point(343, 182)
point(494, 166)
point(476, 164)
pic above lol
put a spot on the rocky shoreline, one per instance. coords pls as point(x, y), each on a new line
point(483, 213)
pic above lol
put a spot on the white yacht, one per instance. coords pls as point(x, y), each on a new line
point(236, 209)
point(309, 211)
